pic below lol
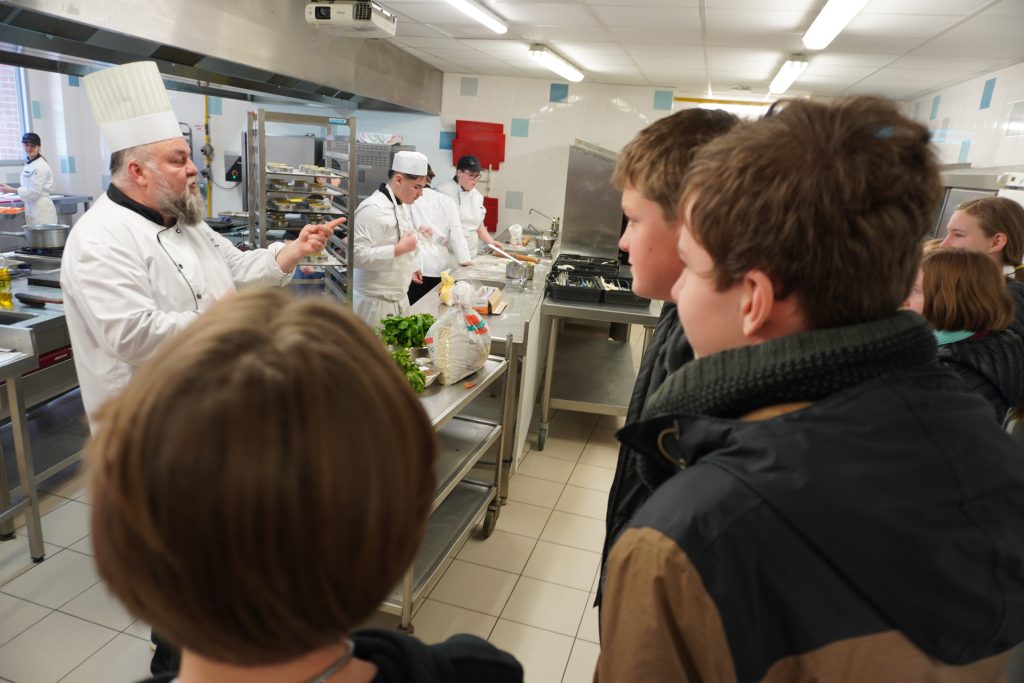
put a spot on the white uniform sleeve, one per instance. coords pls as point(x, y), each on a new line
point(480, 207)
point(373, 251)
point(250, 267)
point(39, 184)
point(112, 286)
point(456, 239)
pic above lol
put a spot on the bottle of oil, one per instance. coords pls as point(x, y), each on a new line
point(6, 300)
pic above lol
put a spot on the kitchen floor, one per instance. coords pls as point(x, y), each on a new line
point(528, 588)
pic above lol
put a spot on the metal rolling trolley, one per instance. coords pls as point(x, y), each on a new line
point(589, 373)
point(340, 201)
point(460, 503)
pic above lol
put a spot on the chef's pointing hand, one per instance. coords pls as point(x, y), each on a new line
point(311, 240)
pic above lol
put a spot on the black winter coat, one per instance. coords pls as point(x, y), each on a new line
point(992, 366)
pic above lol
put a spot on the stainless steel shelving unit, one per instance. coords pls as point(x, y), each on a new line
point(460, 503)
point(259, 192)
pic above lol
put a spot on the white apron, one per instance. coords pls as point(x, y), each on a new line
point(380, 281)
point(35, 188)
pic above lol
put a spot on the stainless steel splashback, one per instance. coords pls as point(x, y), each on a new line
point(592, 220)
point(231, 48)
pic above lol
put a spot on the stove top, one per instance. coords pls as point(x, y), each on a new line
point(35, 251)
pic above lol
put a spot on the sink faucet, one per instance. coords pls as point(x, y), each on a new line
point(531, 230)
point(555, 222)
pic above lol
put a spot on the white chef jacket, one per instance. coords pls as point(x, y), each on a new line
point(471, 211)
point(34, 190)
point(442, 215)
point(130, 283)
point(380, 281)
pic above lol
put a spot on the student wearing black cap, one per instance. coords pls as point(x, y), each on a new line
point(462, 188)
point(36, 184)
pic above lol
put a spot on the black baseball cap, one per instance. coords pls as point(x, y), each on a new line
point(468, 163)
point(31, 138)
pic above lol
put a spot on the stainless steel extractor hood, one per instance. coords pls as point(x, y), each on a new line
point(258, 50)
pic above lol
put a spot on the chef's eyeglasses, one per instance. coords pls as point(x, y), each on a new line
point(472, 174)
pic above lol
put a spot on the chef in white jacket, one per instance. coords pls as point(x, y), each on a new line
point(462, 189)
point(141, 264)
point(385, 242)
point(36, 184)
point(439, 229)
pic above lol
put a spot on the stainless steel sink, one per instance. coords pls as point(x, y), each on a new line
point(497, 284)
point(12, 318)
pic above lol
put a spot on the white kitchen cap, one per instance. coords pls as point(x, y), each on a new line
point(131, 105)
point(410, 163)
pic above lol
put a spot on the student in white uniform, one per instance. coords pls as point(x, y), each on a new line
point(36, 184)
point(384, 235)
point(462, 188)
point(436, 218)
point(142, 264)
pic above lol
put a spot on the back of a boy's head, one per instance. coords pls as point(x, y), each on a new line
point(657, 159)
point(831, 201)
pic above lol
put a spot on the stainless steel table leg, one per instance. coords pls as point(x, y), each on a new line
point(545, 395)
point(508, 420)
point(6, 528)
point(26, 468)
point(405, 623)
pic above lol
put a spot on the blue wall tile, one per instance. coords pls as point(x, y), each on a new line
point(37, 110)
point(63, 164)
point(520, 128)
point(468, 86)
point(513, 199)
point(73, 81)
point(559, 92)
point(965, 150)
point(446, 140)
point(935, 107)
point(663, 100)
point(917, 110)
point(986, 94)
point(216, 106)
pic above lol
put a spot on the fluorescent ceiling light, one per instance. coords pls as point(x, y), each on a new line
point(478, 13)
point(548, 59)
point(789, 72)
point(831, 20)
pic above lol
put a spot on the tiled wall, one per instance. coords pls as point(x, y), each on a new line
point(541, 119)
point(980, 121)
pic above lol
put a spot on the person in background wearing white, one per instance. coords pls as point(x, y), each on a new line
point(386, 258)
point(436, 217)
point(462, 188)
point(141, 264)
point(36, 184)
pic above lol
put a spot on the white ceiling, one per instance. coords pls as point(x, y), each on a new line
point(897, 48)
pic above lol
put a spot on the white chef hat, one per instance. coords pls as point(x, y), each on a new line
point(410, 163)
point(131, 105)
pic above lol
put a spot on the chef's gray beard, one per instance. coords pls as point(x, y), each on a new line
point(186, 207)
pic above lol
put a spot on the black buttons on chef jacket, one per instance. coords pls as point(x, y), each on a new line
point(199, 296)
point(177, 230)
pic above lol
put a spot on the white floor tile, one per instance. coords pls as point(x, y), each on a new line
point(68, 484)
point(584, 420)
point(47, 504)
point(523, 519)
point(604, 436)
point(534, 491)
point(600, 455)
point(474, 587)
point(597, 579)
point(589, 625)
point(543, 654)
point(590, 477)
point(436, 622)
point(563, 449)
point(66, 524)
point(139, 629)
point(99, 606)
point(505, 551)
point(85, 498)
point(15, 559)
point(122, 660)
point(578, 428)
point(585, 533)
point(56, 580)
point(586, 502)
point(614, 422)
point(17, 616)
point(52, 648)
point(543, 466)
point(582, 663)
point(84, 546)
point(546, 605)
point(562, 565)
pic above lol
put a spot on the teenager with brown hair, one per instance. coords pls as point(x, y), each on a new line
point(650, 173)
point(827, 502)
point(966, 301)
point(261, 488)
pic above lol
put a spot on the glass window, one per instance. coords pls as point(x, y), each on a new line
point(12, 114)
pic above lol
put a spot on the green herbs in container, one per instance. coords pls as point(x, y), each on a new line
point(405, 331)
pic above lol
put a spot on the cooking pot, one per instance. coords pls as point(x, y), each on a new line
point(44, 236)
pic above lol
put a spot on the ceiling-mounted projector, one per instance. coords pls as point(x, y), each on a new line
point(352, 18)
